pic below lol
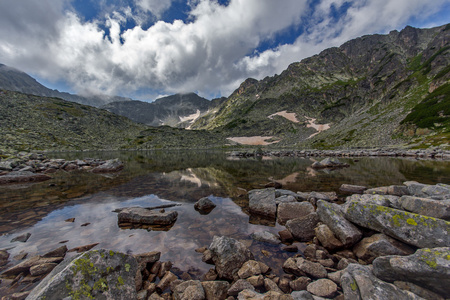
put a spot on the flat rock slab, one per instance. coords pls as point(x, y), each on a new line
point(97, 274)
point(379, 244)
point(417, 230)
point(429, 268)
point(140, 215)
point(291, 210)
point(23, 177)
point(427, 207)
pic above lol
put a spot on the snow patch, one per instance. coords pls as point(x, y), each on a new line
point(252, 140)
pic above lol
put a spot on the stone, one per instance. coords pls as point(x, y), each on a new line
point(285, 236)
point(310, 251)
point(344, 262)
point(142, 295)
point(384, 200)
point(428, 268)
point(283, 284)
point(266, 237)
point(438, 191)
point(94, 274)
point(413, 229)
point(270, 285)
point(300, 283)
point(148, 257)
point(165, 266)
point(332, 215)
point(302, 229)
point(248, 295)
point(262, 202)
point(207, 257)
point(42, 269)
point(189, 290)
point(336, 276)
point(21, 238)
point(377, 245)
point(329, 162)
point(165, 281)
point(418, 290)
point(239, 286)
point(302, 295)
point(155, 296)
point(144, 216)
point(204, 205)
point(427, 207)
point(109, 166)
point(358, 282)
point(249, 268)
point(395, 190)
point(264, 268)
point(289, 211)
point(22, 177)
point(215, 289)
point(353, 189)
point(312, 269)
point(84, 248)
point(327, 238)
point(323, 288)
point(211, 275)
point(228, 256)
point(256, 281)
point(290, 248)
point(58, 252)
point(24, 267)
point(285, 199)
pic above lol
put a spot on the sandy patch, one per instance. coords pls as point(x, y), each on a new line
point(290, 116)
point(252, 140)
point(318, 127)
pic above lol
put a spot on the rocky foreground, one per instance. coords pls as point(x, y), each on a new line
point(388, 242)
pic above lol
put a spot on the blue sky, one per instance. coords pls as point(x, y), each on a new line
point(147, 48)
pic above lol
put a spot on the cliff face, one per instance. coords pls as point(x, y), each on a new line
point(364, 90)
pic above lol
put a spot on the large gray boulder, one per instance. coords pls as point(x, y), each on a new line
point(332, 215)
point(438, 191)
point(359, 283)
point(228, 256)
point(216, 289)
point(429, 268)
point(302, 229)
point(379, 244)
point(189, 290)
point(417, 230)
point(384, 200)
point(427, 207)
point(141, 215)
point(291, 210)
point(109, 166)
point(262, 202)
point(97, 274)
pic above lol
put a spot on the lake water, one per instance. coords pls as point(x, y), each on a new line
point(155, 178)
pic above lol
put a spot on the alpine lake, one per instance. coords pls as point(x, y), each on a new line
point(153, 178)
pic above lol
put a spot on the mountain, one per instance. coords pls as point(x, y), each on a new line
point(178, 110)
point(371, 91)
point(29, 123)
point(14, 80)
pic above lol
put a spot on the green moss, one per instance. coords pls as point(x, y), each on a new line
point(127, 267)
point(120, 280)
point(353, 286)
point(411, 222)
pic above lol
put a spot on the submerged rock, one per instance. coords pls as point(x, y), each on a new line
point(94, 274)
point(204, 205)
point(23, 177)
point(429, 268)
point(417, 230)
point(145, 216)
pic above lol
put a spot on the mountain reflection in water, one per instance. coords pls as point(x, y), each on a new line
point(155, 178)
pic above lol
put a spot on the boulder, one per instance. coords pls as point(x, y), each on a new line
point(249, 268)
point(302, 229)
point(428, 268)
point(94, 274)
point(413, 229)
point(109, 166)
point(21, 238)
point(204, 205)
point(395, 190)
point(302, 295)
point(42, 269)
point(327, 238)
point(266, 237)
point(323, 288)
point(270, 285)
point(384, 200)
point(239, 286)
point(145, 216)
point(427, 207)
point(285, 199)
point(358, 282)
point(256, 281)
point(287, 211)
point(312, 269)
point(438, 191)
point(331, 215)
point(329, 162)
point(353, 189)
point(418, 290)
point(300, 283)
point(23, 177)
point(377, 245)
point(189, 290)
point(262, 202)
point(24, 267)
point(58, 252)
point(215, 289)
point(228, 256)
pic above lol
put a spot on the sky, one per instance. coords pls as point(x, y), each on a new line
point(144, 49)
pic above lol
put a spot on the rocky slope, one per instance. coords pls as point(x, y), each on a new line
point(14, 80)
point(178, 110)
point(374, 90)
point(31, 122)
